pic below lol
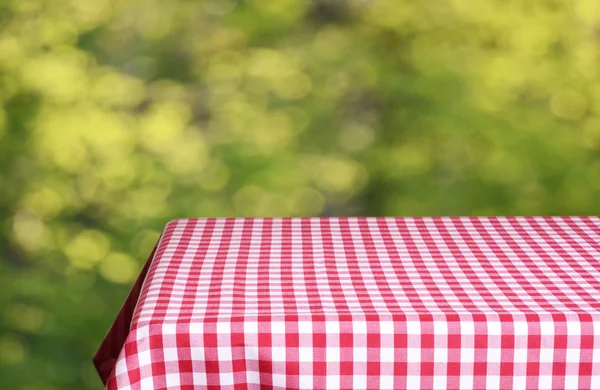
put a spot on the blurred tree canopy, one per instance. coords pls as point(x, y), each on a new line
point(117, 116)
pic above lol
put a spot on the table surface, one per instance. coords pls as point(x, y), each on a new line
point(448, 302)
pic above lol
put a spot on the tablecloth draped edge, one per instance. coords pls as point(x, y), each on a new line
point(110, 348)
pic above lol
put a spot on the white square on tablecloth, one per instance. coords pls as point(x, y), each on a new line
point(571, 382)
point(332, 327)
point(359, 327)
point(121, 366)
point(170, 354)
point(199, 379)
point(253, 377)
point(520, 355)
point(143, 332)
point(546, 355)
point(520, 328)
point(466, 382)
point(547, 328)
point(279, 380)
point(251, 352)
point(386, 382)
point(278, 327)
point(467, 327)
point(224, 354)
point(573, 355)
point(493, 355)
point(250, 327)
point(545, 382)
point(386, 327)
point(440, 327)
point(226, 379)
point(306, 382)
point(278, 354)
point(573, 328)
point(224, 328)
point(147, 384)
point(494, 328)
point(467, 355)
point(413, 355)
point(359, 381)
point(305, 327)
point(169, 329)
point(492, 382)
point(413, 382)
point(595, 380)
point(359, 354)
point(519, 382)
point(440, 355)
point(332, 382)
point(172, 380)
point(305, 354)
point(387, 355)
point(413, 327)
point(439, 382)
point(332, 354)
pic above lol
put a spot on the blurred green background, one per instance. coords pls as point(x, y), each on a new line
point(117, 116)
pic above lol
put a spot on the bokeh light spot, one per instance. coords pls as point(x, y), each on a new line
point(591, 134)
point(330, 42)
point(588, 11)
point(25, 318)
point(283, 10)
point(2, 123)
point(189, 156)
point(60, 76)
point(24, 6)
point(118, 268)
point(87, 248)
point(292, 87)
point(29, 231)
point(154, 22)
point(356, 137)
point(12, 350)
point(118, 90)
point(389, 14)
point(568, 105)
point(219, 7)
point(306, 202)
point(117, 174)
point(89, 14)
point(337, 174)
point(247, 200)
point(45, 202)
point(146, 202)
point(11, 51)
point(164, 125)
point(215, 176)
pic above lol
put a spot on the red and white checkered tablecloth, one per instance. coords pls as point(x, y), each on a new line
point(363, 303)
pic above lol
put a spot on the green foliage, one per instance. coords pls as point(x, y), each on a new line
point(117, 116)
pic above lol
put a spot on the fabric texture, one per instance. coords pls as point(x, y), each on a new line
point(363, 303)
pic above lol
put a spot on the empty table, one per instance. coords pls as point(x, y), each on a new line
point(357, 303)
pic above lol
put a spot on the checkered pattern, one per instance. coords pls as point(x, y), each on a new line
point(357, 303)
